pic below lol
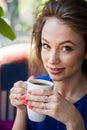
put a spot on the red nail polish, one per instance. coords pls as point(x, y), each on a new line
point(23, 97)
point(25, 102)
point(30, 92)
point(30, 107)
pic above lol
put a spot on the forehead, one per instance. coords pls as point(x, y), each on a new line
point(55, 24)
point(59, 30)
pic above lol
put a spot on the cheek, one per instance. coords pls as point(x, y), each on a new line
point(43, 56)
point(72, 60)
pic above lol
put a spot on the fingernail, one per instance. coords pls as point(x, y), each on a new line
point(30, 107)
point(30, 92)
point(23, 97)
point(25, 102)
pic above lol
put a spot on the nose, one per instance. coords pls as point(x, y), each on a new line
point(54, 57)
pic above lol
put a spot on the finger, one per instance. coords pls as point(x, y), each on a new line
point(18, 91)
point(42, 111)
point(20, 106)
point(40, 105)
point(15, 96)
point(38, 98)
point(19, 87)
point(31, 77)
point(19, 84)
point(16, 102)
point(40, 92)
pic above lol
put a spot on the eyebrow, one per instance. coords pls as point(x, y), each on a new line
point(63, 42)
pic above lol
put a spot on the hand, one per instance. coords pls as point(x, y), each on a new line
point(18, 94)
point(52, 103)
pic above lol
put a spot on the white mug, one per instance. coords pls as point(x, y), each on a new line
point(35, 84)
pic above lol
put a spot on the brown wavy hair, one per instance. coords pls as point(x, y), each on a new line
point(73, 12)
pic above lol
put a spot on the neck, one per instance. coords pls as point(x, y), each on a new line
point(72, 90)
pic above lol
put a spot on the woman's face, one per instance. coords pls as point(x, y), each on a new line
point(63, 50)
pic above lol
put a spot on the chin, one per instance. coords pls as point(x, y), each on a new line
point(56, 78)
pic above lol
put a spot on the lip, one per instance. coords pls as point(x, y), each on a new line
point(55, 70)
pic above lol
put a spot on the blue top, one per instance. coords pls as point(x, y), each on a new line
point(50, 123)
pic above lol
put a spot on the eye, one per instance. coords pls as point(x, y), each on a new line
point(44, 45)
point(67, 48)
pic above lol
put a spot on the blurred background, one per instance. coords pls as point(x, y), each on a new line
point(19, 15)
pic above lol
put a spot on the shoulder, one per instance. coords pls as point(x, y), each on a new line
point(45, 77)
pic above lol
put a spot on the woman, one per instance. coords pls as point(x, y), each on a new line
point(59, 40)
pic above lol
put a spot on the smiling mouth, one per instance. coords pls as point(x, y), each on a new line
point(55, 70)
